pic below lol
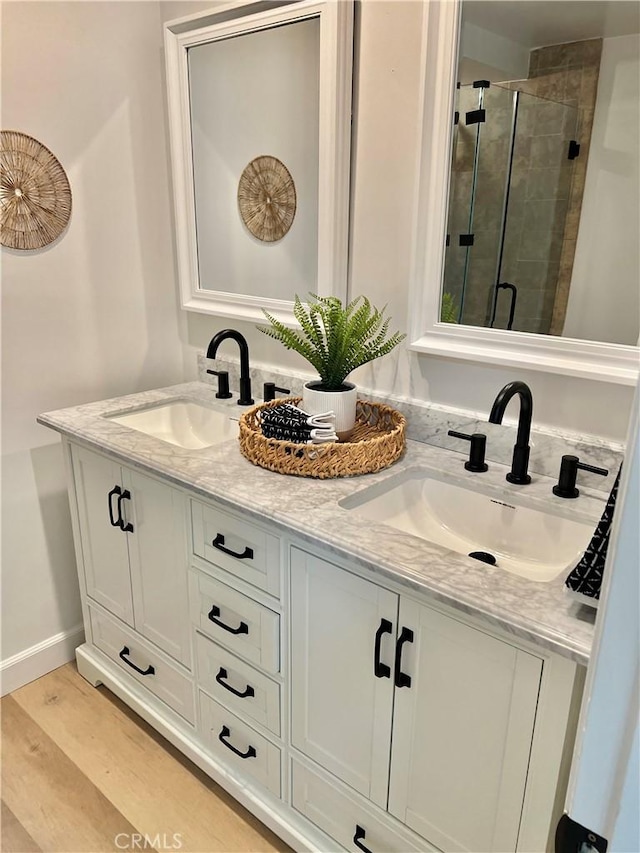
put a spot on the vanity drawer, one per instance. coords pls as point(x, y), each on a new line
point(241, 624)
point(137, 658)
point(237, 685)
point(340, 813)
point(237, 546)
point(239, 746)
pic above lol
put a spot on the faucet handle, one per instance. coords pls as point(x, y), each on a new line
point(569, 467)
point(270, 389)
point(223, 384)
point(478, 443)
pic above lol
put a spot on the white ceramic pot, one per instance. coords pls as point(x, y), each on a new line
point(341, 403)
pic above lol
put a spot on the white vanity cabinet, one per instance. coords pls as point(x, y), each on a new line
point(345, 712)
point(427, 717)
point(133, 544)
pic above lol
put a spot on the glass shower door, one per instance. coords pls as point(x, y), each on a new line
point(508, 260)
point(536, 258)
point(480, 164)
point(463, 159)
point(490, 195)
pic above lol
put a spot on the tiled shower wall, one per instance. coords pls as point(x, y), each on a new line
point(568, 73)
point(546, 189)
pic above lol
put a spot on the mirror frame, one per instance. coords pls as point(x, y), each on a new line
point(571, 357)
point(336, 60)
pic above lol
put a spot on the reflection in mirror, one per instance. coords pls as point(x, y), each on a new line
point(252, 95)
point(544, 169)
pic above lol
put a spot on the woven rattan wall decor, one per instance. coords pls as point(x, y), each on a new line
point(267, 198)
point(35, 196)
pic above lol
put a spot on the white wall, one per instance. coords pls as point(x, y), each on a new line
point(495, 56)
point(172, 9)
point(385, 148)
point(604, 301)
point(95, 314)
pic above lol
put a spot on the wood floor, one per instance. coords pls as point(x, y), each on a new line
point(81, 773)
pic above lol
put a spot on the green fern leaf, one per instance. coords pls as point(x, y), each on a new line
point(333, 338)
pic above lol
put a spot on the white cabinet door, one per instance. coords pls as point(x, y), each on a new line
point(462, 733)
point(133, 535)
point(341, 711)
point(104, 544)
point(158, 554)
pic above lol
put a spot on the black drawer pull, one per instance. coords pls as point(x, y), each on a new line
point(218, 543)
point(222, 674)
point(401, 678)
point(115, 522)
point(243, 628)
point(381, 670)
point(125, 496)
point(150, 670)
point(222, 737)
point(357, 839)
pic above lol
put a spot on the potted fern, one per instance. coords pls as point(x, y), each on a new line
point(335, 340)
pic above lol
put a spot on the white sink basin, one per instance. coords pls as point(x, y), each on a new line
point(188, 425)
point(535, 545)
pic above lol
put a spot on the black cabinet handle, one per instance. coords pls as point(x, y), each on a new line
point(243, 628)
point(222, 737)
point(401, 678)
point(150, 670)
point(381, 670)
point(115, 522)
point(218, 543)
point(222, 674)
point(125, 496)
point(357, 839)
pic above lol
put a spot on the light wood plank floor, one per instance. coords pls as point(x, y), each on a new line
point(81, 773)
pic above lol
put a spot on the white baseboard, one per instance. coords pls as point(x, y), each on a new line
point(40, 659)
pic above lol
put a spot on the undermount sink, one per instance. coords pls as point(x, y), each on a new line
point(533, 544)
point(188, 425)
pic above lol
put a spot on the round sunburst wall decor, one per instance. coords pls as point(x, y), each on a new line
point(35, 196)
point(267, 198)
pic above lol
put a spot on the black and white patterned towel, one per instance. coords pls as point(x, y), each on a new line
point(288, 415)
point(289, 423)
point(586, 578)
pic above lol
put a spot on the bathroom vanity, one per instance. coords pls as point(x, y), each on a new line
point(354, 686)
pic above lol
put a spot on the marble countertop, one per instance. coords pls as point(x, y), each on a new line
point(542, 613)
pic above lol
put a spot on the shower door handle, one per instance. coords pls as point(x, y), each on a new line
point(505, 285)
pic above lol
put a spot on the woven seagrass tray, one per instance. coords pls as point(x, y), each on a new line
point(376, 442)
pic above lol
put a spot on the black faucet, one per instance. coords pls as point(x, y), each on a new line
point(520, 461)
point(245, 379)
